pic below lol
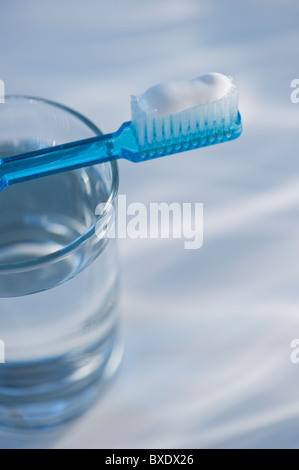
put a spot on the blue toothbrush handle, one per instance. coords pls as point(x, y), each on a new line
point(120, 144)
point(43, 162)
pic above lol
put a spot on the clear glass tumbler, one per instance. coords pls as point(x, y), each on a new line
point(58, 274)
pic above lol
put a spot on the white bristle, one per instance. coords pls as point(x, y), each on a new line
point(193, 120)
point(158, 129)
point(166, 124)
point(176, 120)
point(215, 118)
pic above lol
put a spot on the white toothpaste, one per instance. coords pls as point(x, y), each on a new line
point(176, 96)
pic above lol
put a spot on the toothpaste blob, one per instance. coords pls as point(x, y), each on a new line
point(186, 114)
point(177, 96)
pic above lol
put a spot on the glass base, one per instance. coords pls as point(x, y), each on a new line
point(35, 411)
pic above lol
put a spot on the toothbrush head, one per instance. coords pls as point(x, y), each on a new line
point(182, 115)
point(168, 118)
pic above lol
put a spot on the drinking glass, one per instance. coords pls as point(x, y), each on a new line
point(59, 275)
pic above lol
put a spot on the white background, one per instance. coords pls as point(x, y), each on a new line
point(207, 332)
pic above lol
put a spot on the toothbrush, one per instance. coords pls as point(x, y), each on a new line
point(166, 119)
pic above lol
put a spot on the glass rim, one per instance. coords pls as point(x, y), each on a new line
point(91, 230)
